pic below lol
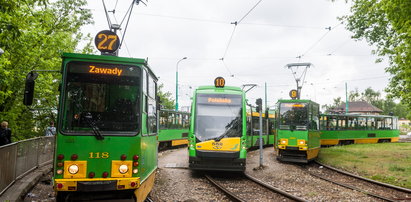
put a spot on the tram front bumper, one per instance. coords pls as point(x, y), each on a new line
point(96, 184)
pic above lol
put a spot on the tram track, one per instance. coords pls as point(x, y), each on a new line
point(377, 190)
point(242, 188)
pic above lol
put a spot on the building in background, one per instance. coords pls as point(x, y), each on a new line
point(357, 107)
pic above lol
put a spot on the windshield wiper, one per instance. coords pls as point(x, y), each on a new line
point(90, 121)
point(229, 128)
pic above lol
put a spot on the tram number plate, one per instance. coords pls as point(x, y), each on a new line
point(98, 155)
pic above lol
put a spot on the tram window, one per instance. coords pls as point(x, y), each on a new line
point(144, 82)
point(342, 123)
point(152, 106)
point(394, 123)
point(352, 123)
point(388, 123)
point(380, 123)
point(163, 119)
point(371, 123)
point(315, 121)
point(171, 120)
point(151, 87)
point(362, 123)
point(332, 123)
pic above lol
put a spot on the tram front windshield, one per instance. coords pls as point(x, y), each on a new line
point(101, 97)
point(293, 116)
point(218, 116)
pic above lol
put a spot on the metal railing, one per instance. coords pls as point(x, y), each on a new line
point(19, 158)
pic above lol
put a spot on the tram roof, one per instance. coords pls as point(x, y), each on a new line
point(359, 115)
point(103, 58)
point(225, 89)
point(293, 101)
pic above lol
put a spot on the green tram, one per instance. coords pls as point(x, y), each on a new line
point(173, 128)
point(217, 137)
point(106, 142)
point(253, 126)
point(298, 131)
point(341, 129)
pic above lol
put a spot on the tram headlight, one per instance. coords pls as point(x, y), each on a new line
point(123, 169)
point(301, 142)
point(135, 170)
point(73, 169)
point(284, 141)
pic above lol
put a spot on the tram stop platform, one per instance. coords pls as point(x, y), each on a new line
point(22, 186)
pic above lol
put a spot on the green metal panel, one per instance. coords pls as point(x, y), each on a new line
point(171, 134)
point(94, 151)
point(293, 136)
point(357, 134)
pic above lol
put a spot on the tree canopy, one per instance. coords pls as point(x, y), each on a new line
point(387, 105)
point(33, 34)
point(387, 25)
point(165, 98)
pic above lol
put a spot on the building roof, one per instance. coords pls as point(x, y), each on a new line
point(358, 106)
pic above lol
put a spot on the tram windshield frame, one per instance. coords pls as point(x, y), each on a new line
point(293, 116)
point(218, 116)
point(108, 103)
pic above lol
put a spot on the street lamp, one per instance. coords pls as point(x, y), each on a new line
point(177, 81)
point(1, 51)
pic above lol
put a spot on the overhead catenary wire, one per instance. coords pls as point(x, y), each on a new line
point(106, 12)
point(232, 34)
point(318, 41)
point(121, 34)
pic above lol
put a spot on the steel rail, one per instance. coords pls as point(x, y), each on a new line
point(351, 187)
point(366, 179)
point(226, 191)
point(273, 188)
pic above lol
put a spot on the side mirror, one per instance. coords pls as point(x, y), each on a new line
point(29, 88)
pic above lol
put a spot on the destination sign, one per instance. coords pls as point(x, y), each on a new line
point(117, 70)
point(99, 70)
point(297, 105)
point(219, 99)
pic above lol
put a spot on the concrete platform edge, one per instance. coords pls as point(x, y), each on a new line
point(21, 187)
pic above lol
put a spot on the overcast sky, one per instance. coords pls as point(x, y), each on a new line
point(272, 35)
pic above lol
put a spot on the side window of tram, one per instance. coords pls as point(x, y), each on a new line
point(315, 121)
point(144, 103)
point(152, 107)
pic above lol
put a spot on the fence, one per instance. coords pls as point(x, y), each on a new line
point(18, 159)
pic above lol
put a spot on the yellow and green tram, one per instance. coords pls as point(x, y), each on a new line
point(106, 142)
point(298, 134)
point(341, 129)
point(173, 128)
point(217, 137)
point(253, 126)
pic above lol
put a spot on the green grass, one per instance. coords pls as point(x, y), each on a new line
point(384, 162)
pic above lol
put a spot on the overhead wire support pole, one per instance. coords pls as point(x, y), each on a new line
point(302, 76)
point(115, 27)
point(251, 86)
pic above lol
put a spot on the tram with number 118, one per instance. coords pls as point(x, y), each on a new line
point(106, 141)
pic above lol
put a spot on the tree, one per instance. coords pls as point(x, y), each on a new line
point(387, 25)
point(337, 102)
point(387, 105)
point(165, 98)
point(33, 34)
